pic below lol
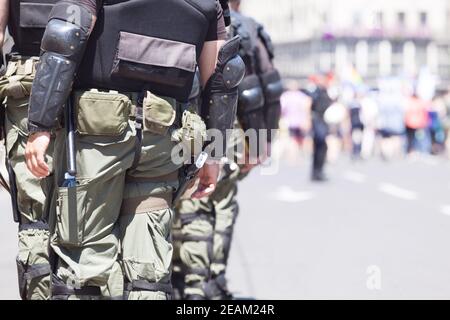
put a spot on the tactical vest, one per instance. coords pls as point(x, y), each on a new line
point(150, 45)
point(27, 22)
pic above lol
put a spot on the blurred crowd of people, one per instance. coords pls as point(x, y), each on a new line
point(332, 115)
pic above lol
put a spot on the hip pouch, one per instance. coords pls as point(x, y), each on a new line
point(102, 113)
point(18, 79)
point(15, 89)
point(159, 114)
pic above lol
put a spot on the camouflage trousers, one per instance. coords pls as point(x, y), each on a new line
point(202, 238)
point(32, 205)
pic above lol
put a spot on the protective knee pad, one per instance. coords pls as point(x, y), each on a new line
point(33, 268)
point(195, 268)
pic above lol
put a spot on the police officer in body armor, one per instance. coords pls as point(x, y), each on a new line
point(205, 227)
point(26, 22)
point(123, 67)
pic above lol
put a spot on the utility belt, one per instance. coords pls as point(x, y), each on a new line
point(107, 113)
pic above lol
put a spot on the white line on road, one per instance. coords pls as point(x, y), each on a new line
point(397, 192)
point(354, 176)
point(287, 194)
point(423, 159)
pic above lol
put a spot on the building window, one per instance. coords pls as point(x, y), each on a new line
point(357, 20)
point(379, 20)
point(401, 19)
point(423, 19)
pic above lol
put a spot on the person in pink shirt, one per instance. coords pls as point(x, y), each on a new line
point(295, 106)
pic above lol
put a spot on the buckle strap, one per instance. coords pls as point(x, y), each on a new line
point(144, 285)
point(167, 177)
point(37, 270)
point(139, 124)
point(193, 238)
point(38, 225)
point(188, 218)
point(224, 233)
point(216, 287)
point(221, 281)
point(63, 290)
point(204, 272)
point(144, 204)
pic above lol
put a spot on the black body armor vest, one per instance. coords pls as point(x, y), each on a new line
point(247, 29)
point(150, 45)
point(27, 22)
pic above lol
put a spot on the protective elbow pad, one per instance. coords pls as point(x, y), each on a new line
point(273, 88)
point(51, 88)
point(251, 104)
point(63, 46)
point(220, 96)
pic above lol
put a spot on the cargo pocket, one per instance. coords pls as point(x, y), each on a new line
point(21, 275)
point(70, 211)
point(15, 86)
point(102, 113)
point(159, 114)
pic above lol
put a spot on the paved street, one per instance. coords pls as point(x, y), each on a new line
point(390, 221)
point(377, 230)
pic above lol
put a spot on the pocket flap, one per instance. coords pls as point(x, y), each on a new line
point(34, 15)
point(158, 52)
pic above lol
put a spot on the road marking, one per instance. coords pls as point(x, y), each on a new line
point(354, 176)
point(397, 192)
point(423, 159)
point(287, 194)
point(446, 210)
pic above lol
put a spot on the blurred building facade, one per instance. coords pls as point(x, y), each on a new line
point(377, 37)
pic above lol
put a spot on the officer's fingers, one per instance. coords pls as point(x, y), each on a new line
point(204, 191)
point(29, 155)
point(28, 162)
point(42, 164)
point(35, 168)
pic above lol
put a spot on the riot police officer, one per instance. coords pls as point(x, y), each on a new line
point(26, 22)
point(205, 226)
point(123, 65)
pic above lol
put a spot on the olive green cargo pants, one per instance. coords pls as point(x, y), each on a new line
point(202, 235)
point(119, 218)
point(32, 259)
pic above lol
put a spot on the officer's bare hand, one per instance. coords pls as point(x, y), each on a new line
point(35, 150)
point(208, 176)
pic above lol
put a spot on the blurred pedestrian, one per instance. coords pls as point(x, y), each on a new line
point(321, 101)
point(391, 119)
point(437, 115)
point(356, 125)
point(416, 121)
point(369, 115)
point(296, 109)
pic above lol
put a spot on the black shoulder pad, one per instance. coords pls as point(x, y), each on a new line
point(267, 41)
